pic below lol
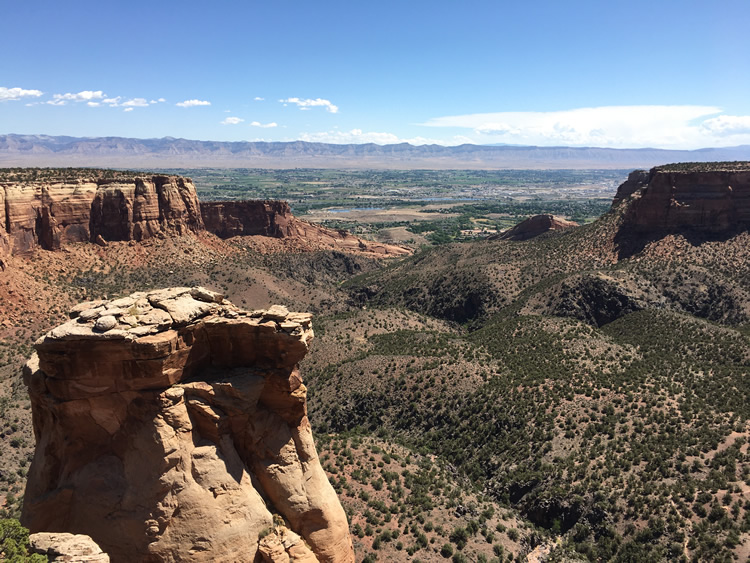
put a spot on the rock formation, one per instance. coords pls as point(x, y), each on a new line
point(172, 426)
point(269, 218)
point(274, 219)
point(64, 547)
point(711, 197)
point(50, 214)
point(535, 226)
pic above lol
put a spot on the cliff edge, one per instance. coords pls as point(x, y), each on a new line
point(709, 197)
point(172, 426)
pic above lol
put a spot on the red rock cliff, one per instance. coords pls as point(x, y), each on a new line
point(274, 219)
point(711, 197)
point(268, 218)
point(50, 214)
point(171, 426)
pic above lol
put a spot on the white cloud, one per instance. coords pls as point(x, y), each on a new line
point(128, 109)
point(113, 102)
point(678, 127)
point(258, 99)
point(728, 125)
point(310, 103)
point(10, 94)
point(232, 121)
point(264, 125)
point(193, 103)
point(136, 102)
point(358, 136)
point(83, 96)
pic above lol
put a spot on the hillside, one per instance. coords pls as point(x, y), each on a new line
point(584, 392)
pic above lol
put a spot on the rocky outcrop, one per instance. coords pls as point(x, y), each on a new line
point(64, 547)
point(535, 226)
point(172, 426)
point(710, 197)
point(274, 219)
point(50, 214)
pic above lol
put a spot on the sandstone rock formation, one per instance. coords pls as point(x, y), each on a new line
point(712, 197)
point(269, 218)
point(535, 226)
point(64, 547)
point(172, 426)
point(50, 214)
point(274, 219)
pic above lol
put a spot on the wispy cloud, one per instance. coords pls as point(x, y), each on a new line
point(232, 121)
point(310, 103)
point(679, 127)
point(359, 136)
point(193, 103)
point(258, 99)
point(264, 125)
point(136, 102)
point(728, 125)
point(11, 94)
point(128, 109)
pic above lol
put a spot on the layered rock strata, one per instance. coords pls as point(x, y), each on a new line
point(50, 214)
point(274, 219)
point(712, 197)
point(172, 426)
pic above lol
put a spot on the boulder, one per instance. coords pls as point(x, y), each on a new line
point(64, 547)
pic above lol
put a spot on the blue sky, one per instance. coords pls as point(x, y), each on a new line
point(658, 73)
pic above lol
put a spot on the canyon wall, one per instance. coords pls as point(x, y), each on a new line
point(172, 426)
point(50, 214)
point(273, 218)
point(712, 197)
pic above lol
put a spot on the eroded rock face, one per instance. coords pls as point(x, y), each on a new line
point(227, 219)
point(50, 214)
point(712, 197)
point(175, 432)
point(535, 226)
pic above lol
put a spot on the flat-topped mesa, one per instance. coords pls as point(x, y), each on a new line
point(50, 213)
point(171, 426)
point(711, 197)
point(273, 218)
point(270, 218)
point(120, 206)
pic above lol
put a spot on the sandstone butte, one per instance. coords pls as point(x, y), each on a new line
point(50, 214)
point(709, 197)
point(172, 426)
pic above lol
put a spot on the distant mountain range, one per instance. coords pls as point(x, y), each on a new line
point(122, 152)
